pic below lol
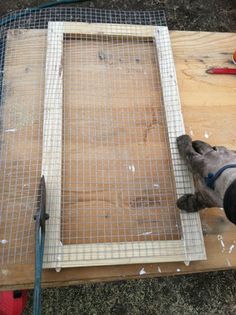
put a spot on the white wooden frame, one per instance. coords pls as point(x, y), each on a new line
point(191, 246)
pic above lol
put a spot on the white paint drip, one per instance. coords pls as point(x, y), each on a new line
point(5, 272)
point(206, 135)
point(157, 186)
point(142, 272)
point(187, 262)
point(220, 238)
point(178, 270)
point(10, 130)
point(159, 269)
point(132, 168)
point(58, 268)
point(231, 248)
point(145, 233)
point(190, 132)
point(228, 262)
point(3, 242)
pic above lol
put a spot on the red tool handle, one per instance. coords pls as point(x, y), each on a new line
point(221, 71)
point(13, 302)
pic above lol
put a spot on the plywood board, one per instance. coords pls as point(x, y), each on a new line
point(21, 149)
point(196, 90)
point(194, 52)
point(121, 189)
point(114, 137)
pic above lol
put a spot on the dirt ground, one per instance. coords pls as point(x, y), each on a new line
point(201, 15)
point(205, 294)
point(202, 294)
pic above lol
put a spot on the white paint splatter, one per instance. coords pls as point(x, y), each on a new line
point(58, 268)
point(132, 168)
point(178, 270)
point(159, 269)
point(231, 248)
point(157, 186)
point(11, 130)
point(3, 242)
point(145, 233)
point(187, 262)
point(142, 272)
point(5, 272)
point(228, 262)
point(191, 131)
point(206, 135)
point(220, 238)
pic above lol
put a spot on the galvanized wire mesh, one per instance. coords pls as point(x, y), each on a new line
point(117, 182)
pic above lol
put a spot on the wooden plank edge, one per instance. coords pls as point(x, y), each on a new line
point(107, 278)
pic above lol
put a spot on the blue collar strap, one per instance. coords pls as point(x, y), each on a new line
point(211, 178)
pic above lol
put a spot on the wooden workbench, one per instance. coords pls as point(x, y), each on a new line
point(209, 110)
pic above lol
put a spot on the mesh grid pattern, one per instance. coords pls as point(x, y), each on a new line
point(117, 182)
point(123, 180)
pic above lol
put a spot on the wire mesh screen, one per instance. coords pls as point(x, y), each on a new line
point(116, 163)
point(109, 176)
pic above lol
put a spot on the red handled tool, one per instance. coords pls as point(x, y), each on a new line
point(223, 70)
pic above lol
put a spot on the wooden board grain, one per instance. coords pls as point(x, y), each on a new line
point(207, 101)
point(20, 148)
point(100, 29)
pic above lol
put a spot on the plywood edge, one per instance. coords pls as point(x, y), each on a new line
point(21, 276)
point(52, 138)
